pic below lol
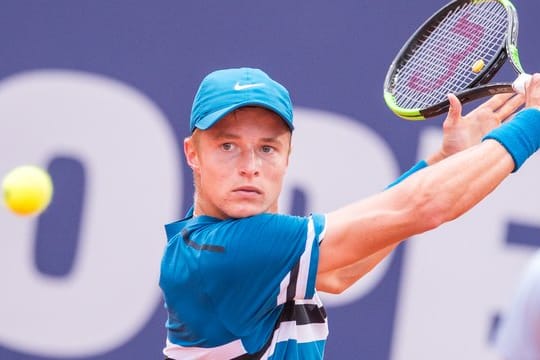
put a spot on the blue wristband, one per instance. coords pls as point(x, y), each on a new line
point(418, 166)
point(520, 136)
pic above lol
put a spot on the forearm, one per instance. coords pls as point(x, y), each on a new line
point(432, 196)
point(426, 199)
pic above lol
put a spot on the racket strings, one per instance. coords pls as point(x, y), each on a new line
point(433, 69)
point(441, 62)
point(437, 45)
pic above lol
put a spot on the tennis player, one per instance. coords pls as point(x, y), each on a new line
point(240, 279)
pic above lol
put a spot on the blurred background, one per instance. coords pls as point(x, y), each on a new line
point(99, 93)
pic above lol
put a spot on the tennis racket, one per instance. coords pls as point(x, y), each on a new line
point(458, 50)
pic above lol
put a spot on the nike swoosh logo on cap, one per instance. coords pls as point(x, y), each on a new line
point(239, 87)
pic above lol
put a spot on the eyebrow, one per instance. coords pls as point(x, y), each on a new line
point(225, 135)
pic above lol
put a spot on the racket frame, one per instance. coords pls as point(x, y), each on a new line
point(478, 88)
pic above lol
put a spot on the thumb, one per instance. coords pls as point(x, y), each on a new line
point(454, 112)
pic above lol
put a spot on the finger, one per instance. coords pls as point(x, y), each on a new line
point(454, 112)
point(510, 107)
point(496, 101)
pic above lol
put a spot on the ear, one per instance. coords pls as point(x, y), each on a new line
point(191, 154)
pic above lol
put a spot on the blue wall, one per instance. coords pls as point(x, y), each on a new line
point(332, 56)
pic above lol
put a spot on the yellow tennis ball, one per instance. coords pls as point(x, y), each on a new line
point(27, 190)
point(478, 66)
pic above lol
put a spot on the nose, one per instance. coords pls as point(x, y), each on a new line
point(250, 164)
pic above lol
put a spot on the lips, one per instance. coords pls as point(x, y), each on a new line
point(248, 190)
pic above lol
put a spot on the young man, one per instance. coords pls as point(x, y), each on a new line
point(239, 279)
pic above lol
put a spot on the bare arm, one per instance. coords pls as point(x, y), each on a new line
point(425, 200)
point(429, 198)
point(459, 133)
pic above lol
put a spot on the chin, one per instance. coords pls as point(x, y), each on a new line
point(238, 214)
point(246, 211)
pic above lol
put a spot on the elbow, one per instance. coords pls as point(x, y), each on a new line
point(330, 284)
point(334, 290)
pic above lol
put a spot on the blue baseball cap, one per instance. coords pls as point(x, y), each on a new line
point(223, 91)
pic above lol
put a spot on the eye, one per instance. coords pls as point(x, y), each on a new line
point(227, 146)
point(267, 149)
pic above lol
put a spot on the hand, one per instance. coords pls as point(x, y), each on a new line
point(461, 132)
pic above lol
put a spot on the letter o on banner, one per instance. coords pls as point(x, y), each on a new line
point(133, 186)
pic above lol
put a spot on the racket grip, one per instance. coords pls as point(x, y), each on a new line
point(521, 82)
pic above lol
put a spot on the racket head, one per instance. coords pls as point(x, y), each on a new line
point(442, 55)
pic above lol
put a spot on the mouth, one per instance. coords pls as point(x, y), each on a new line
point(247, 190)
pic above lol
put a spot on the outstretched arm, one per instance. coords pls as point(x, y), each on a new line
point(459, 133)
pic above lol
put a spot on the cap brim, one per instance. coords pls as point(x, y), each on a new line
point(214, 117)
point(210, 119)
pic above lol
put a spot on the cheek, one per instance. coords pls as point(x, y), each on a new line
point(215, 172)
point(277, 172)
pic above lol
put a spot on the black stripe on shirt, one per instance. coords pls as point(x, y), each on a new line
point(197, 246)
point(303, 314)
point(293, 279)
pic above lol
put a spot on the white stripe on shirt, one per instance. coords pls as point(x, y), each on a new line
point(305, 259)
point(223, 352)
